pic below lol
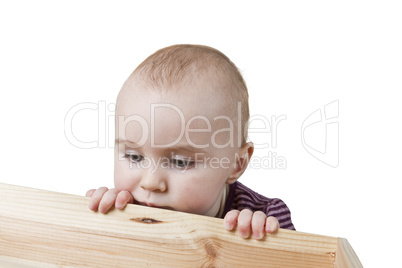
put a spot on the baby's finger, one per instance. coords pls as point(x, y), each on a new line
point(108, 200)
point(89, 193)
point(244, 222)
point(96, 198)
point(123, 198)
point(230, 219)
point(257, 224)
point(271, 224)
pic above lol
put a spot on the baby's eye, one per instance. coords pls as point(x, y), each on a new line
point(134, 157)
point(183, 163)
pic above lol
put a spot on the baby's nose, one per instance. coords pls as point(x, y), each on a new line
point(154, 181)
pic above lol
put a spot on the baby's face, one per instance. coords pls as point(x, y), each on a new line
point(177, 150)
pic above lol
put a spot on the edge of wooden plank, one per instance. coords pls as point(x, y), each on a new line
point(345, 255)
point(48, 213)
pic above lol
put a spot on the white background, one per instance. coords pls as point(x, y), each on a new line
point(296, 57)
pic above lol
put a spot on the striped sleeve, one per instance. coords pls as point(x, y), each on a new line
point(278, 209)
point(241, 197)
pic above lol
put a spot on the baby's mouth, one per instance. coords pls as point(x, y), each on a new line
point(149, 204)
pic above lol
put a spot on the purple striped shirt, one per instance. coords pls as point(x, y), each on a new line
point(241, 197)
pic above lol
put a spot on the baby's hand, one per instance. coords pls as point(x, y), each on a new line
point(104, 199)
point(248, 222)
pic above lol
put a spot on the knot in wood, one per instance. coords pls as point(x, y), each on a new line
point(145, 220)
point(210, 249)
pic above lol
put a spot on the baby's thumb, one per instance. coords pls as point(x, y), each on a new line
point(90, 193)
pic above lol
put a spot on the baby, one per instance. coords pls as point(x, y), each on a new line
point(181, 129)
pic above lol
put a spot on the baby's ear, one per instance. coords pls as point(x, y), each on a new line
point(242, 159)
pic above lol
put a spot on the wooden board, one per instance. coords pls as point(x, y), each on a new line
point(346, 256)
point(42, 228)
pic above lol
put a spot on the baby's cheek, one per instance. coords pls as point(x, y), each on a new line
point(184, 195)
point(200, 198)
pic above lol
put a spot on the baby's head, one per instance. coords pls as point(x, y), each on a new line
point(181, 128)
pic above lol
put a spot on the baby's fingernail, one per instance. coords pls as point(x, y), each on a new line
point(268, 228)
point(102, 210)
point(257, 235)
point(243, 234)
point(228, 226)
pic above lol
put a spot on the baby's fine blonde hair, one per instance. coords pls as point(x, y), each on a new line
point(174, 65)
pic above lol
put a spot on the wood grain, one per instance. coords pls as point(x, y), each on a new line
point(346, 256)
point(41, 228)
